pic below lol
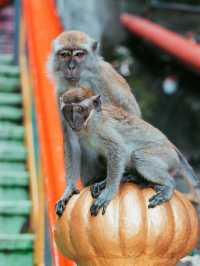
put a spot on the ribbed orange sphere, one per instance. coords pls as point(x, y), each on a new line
point(129, 233)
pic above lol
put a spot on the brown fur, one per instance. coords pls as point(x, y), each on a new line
point(72, 39)
point(76, 95)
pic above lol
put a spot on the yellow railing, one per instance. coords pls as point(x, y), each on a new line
point(36, 182)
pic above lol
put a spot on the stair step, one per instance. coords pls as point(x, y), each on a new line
point(16, 242)
point(16, 258)
point(8, 85)
point(14, 216)
point(6, 59)
point(16, 249)
point(7, 98)
point(12, 151)
point(11, 131)
point(8, 113)
point(13, 193)
point(12, 166)
point(14, 178)
point(9, 70)
point(19, 207)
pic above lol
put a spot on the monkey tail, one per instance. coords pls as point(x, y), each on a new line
point(188, 172)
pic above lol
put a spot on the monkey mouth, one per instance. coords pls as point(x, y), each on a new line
point(73, 78)
point(70, 78)
point(71, 75)
point(77, 129)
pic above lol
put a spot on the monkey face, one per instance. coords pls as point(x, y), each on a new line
point(76, 115)
point(69, 61)
point(73, 52)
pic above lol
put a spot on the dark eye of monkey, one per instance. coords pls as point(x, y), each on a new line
point(79, 109)
point(79, 53)
point(65, 53)
point(68, 111)
point(83, 111)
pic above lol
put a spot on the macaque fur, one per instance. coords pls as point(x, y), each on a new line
point(127, 142)
point(73, 62)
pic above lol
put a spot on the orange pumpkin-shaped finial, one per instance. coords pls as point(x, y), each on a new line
point(129, 233)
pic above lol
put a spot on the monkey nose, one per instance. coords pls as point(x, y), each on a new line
point(72, 65)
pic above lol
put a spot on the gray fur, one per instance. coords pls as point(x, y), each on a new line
point(112, 88)
point(128, 142)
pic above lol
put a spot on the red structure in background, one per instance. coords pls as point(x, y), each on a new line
point(43, 25)
point(174, 44)
point(4, 2)
point(6, 29)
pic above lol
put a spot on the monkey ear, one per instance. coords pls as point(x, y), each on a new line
point(95, 46)
point(97, 103)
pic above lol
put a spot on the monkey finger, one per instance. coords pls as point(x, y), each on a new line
point(94, 209)
point(105, 207)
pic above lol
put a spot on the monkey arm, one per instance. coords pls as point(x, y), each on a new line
point(115, 165)
point(115, 170)
point(72, 156)
point(72, 160)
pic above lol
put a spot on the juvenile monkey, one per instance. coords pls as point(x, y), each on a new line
point(73, 62)
point(127, 142)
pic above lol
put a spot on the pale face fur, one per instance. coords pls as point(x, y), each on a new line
point(73, 53)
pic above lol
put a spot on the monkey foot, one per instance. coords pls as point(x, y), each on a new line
point(97, 188)
point(61, 204)
point(97, 205)
point(156, 200)
point(163, 194)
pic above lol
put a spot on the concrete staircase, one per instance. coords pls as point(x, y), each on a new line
point(16, 242)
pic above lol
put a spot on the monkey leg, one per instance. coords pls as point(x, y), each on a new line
point(115, 170)
point(155, 170)
point(97, 188)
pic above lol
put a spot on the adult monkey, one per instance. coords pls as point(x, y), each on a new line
point(73, 62)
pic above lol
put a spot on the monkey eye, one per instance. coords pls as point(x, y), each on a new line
point(79, 53)
point(79, 108)
point(65, 53)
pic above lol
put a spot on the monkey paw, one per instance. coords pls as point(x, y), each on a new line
point(61, 204)
point(97, 205)
point(163, 194)
point(97, 188)
point(156, 200)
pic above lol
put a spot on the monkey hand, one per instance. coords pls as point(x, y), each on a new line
point(62, 202)
point(102, 202)
point(97, 188)
point(163, 194)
